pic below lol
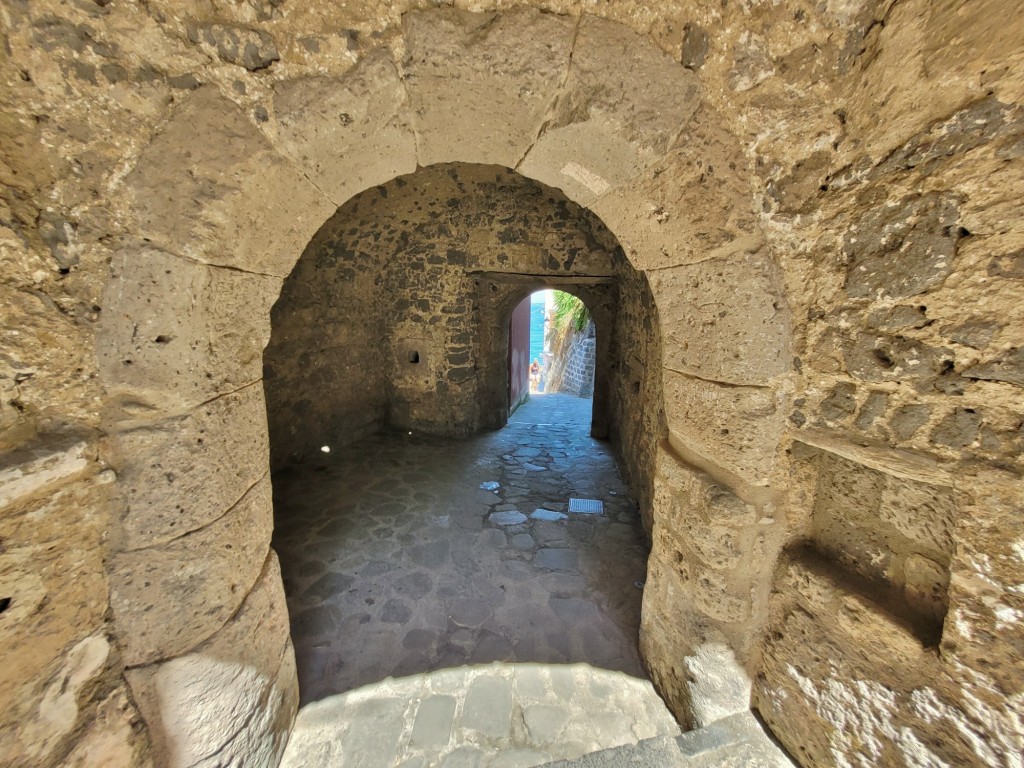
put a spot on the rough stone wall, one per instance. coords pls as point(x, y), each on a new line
point(65, 700)
point(572, 367)
point(325, 370)
point(824, 196)
point(908, 412)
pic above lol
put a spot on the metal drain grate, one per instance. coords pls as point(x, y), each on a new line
point(586, 506)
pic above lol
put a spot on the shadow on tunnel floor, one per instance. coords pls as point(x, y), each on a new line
point(399, 558)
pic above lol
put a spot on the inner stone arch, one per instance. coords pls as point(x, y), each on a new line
point(394, 321)
point(396, 312)
point(246, 205)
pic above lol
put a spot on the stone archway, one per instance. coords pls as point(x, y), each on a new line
point(584, 105)
point(499, 293)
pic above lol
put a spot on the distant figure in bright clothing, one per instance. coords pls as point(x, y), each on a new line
point(535, 376)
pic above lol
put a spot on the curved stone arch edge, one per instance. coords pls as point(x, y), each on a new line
point(500, 293)
point(594, 204)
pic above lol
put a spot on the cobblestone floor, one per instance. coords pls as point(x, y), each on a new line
point(397, 562)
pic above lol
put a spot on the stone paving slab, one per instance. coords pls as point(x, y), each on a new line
point(737, 741)
point(493, 715)
point(397, 562)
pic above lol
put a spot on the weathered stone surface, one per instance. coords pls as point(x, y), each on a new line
point(719, 686)
point(556, 559)
point(840, 403)
point(907, 419)
point(433, 725)
point(890, 530)
point(170, 597)
point(53, 622)
point(736, 427)
point(488, 707)
point(695, 46)
point(111, 738)
point(179, 332)
point(1008, 367)
point(253, 49)
point(41, 465)
point(622, 106)
point(899, 358)
point(725, 319)
point(983, 635)
point(699, 598)
point(924, 513)
point(925, 586)
point(902, 250)
point(58, 710)
point(181, 474)
point(509, 517)
point(898, 318)
point(654, 214)
point(752, 62)
point(975, 334)
point(233, 698)
point(666, 641)
point(830, 663)
point(958, 429)
point(347, 134)
point(863, 669)
point(432, 718)
point(873, 408)
point(228, 200)
point(481, 84)
point(48, 364)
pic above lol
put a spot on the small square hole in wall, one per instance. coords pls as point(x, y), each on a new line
point(414, 356)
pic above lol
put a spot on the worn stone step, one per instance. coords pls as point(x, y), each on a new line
point(657, 752)
point(508, 715)
point(737, 741)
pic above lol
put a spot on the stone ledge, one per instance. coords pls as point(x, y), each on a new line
point(41, 464)
point(892, 461)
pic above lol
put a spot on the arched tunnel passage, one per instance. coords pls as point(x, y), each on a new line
point(500, 294)
point(413, 535)
point(552, 347)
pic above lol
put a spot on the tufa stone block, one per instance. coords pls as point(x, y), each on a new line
point(350, 133)
point(170, 597)
point(481, 84)
point(229, 199)
point(623, 104)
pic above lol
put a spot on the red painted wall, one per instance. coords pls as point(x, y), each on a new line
point(519, 355)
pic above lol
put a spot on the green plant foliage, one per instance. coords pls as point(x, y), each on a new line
point(570, 312)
